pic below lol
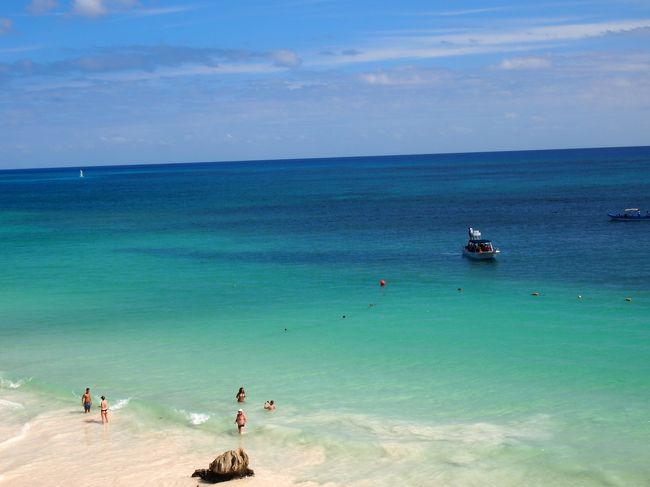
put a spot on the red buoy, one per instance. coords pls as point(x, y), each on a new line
point(382, 283)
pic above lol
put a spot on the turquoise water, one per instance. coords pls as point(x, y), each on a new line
point(172, 286)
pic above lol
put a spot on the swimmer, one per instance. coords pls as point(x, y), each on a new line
point(241, 395)
point(240, 421)
point(87, 400)
point(269, 405)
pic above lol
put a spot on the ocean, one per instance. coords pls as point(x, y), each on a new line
point(168, 287)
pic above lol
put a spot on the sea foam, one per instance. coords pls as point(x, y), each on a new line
point(198, 418)
point(120, 404)
point(195, 418)
point(8, 384)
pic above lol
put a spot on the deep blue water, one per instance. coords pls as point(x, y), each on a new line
point(545, 209)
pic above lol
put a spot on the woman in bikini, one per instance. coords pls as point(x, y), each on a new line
point(241, 395)
point(103, 406)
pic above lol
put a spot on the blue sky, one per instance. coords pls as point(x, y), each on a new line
point(90, 82)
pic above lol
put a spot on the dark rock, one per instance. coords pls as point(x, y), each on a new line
point(227, 466)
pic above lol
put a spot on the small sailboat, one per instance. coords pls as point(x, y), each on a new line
point(81, 173)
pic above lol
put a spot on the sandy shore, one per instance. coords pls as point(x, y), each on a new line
point(64, 446)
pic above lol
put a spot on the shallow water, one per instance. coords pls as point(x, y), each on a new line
point(168, 287)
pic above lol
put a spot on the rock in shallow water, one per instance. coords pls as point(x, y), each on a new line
point(227, 466)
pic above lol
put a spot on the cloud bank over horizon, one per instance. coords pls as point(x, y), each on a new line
point(88, 82)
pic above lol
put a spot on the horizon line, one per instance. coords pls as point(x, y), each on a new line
point(323, 158)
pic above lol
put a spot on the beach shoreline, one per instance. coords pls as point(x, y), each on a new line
point(64, 446)
point(46, 440)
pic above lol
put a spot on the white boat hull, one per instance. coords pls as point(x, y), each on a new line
point(481, 255)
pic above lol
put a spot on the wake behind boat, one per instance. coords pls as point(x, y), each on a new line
point(479, 248)
point(629, 215)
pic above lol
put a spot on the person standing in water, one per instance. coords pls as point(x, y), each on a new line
point(240, 421)
point(86, 400)
point(241, 395)
point(103, 406)
point(269, 405)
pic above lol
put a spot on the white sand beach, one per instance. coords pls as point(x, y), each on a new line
point(64, 446)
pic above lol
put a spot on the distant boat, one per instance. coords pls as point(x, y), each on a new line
point(479, 248)
point(629, 215)
point(81, 173)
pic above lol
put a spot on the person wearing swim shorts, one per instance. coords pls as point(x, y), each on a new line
point(86, 400)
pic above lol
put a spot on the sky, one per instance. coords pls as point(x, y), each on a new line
point(102, 82)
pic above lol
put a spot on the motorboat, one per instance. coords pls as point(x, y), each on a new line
point(479, 248)
point(629, 215)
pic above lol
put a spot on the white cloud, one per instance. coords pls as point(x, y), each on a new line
point(89, 8)
point(525, 63)
point(285, 58)
point(151, 62)
point(405, 52)
point(553, 33)
point(481, 42)
point(403, 76)
point(40, 7)
point(20, 49)
point(116, 139)
point(5, 25)
point(631, 63)
point(300, 85)
point(150, 12)
point(184, 71)
point(97, 8)
point(380, 78)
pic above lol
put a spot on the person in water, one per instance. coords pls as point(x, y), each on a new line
point(241, 395)
point(240, 421)
point(103, 406)
point(86, 400)
point(269, 405)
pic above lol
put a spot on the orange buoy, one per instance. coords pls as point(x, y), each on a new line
point(382, 283)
